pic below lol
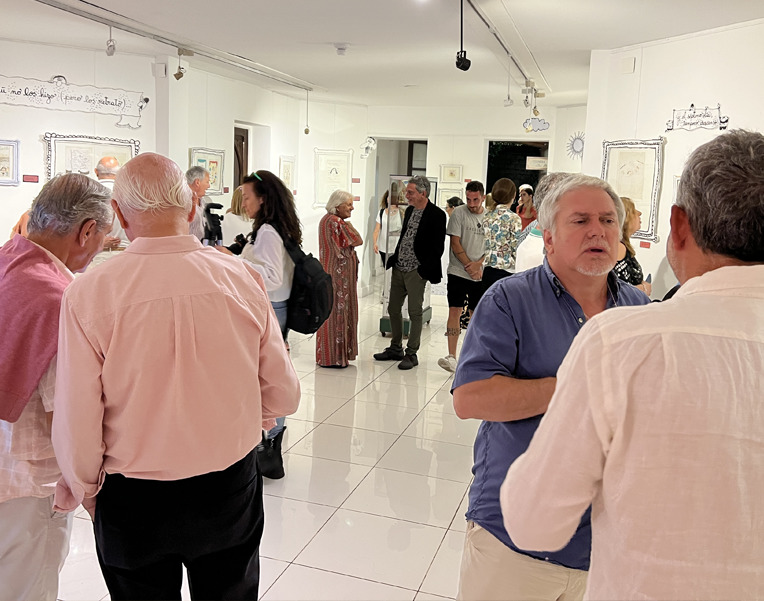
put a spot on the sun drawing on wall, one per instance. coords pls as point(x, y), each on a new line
point(576, 145)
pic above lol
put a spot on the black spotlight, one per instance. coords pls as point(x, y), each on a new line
point(462, 62)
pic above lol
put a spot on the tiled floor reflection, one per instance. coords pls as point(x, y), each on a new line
point(378, 465)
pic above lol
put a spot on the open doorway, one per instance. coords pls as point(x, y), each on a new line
point(511, 159)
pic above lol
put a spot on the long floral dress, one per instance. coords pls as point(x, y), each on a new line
point(337, 339)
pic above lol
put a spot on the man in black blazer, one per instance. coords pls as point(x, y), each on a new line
point(415, 262)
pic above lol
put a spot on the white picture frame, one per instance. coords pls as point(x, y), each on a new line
point(214, 162)
point(445, 193)
point(450, 174)
point(333, 171)
point(80, 154)
point(287, 172)
point(9, 162)
point(634, 169)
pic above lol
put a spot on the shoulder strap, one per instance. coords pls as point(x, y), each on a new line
point(295, 252)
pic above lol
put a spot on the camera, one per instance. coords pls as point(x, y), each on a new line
point(213, 231)
point(462, 62)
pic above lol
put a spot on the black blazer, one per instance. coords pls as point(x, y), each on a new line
point(428, 242)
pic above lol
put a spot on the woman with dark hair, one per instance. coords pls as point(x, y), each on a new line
point(525, 207)
point(337, 339)
point(627, 268)
point(268, 202)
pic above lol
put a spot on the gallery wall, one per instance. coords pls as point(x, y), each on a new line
point(28, 125)
point(634, 91)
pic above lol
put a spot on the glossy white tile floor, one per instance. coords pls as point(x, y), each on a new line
point(378, 465)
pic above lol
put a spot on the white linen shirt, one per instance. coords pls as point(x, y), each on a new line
point(270, 258)
point(657, 422)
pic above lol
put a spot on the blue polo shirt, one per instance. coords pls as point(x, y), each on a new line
point(522, 328)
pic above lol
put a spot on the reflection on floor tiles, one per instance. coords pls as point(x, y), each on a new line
point(377, 469)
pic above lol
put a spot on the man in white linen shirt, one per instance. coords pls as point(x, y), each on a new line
point(656, 419)
point(169, 360)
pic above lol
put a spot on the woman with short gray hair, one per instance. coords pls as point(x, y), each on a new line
point(337, 339)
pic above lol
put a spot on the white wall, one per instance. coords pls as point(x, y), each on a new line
point(714, 67)
point(29, 125)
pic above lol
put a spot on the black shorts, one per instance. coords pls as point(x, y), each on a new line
point(461, 289)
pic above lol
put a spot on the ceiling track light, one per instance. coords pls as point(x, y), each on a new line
point(111, 45)
point(462, 62)
point(178, 75)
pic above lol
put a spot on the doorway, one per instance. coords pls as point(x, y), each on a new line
point(509, 159)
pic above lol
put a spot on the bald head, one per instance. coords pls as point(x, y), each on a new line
point(107, 168)
point(151, 182)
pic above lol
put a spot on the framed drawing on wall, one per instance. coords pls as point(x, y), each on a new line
point(445, 193)
point(450, 174)
point(9, 162)
point(80, 154)
point(286, 172)
point(333, 172)
point(634, 169)
point(212, 161)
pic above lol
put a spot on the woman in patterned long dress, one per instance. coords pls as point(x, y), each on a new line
point(337, 339)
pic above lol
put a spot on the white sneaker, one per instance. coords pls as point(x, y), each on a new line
point(448, 363)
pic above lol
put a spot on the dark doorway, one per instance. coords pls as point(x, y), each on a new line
point(241, 155)
point(508, 159)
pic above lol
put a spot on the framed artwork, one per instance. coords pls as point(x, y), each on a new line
point(450, 174)
point(286, 171)
point(80, 154)
point(445, 193)
point(212, 161)
point(634, 169)
point(9, 162)
point(333, 172)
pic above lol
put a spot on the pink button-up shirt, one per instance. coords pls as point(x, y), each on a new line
point(170, 357)
point(28, 466)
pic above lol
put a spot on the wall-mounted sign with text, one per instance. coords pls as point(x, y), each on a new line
point(536, 163)
point(59, 95)
point(697, 118)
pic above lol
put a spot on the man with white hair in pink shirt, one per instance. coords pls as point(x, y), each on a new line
point(170, 359)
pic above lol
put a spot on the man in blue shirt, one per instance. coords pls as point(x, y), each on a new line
point(516, 341)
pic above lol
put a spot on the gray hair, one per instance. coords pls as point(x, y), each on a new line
point(422, 184)
point(337, 198)
point(550, 207)
point(545, 185)
point(66, 202)
point(196, 173)
point(722, 192)
point(151, 182)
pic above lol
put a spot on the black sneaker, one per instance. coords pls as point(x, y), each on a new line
point(389, 355)
point(408, 362)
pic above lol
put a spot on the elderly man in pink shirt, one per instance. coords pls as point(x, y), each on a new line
point(170, 359)
point(67, 225)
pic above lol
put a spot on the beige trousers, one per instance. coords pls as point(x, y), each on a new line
point(491, 571)
point(34, 542)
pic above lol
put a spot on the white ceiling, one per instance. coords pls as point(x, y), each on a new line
point(400, 52)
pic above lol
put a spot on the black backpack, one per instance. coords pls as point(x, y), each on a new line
point(312, 296)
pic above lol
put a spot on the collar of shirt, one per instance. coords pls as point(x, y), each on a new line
point(613, 285)
point(164, 244)
point(748, 280)
point(56, 261)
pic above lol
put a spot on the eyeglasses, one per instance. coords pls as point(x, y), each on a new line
point(254, 174)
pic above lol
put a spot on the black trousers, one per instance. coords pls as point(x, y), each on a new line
point(491, 275)
point(147, 530)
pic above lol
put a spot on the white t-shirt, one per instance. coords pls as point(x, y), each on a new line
point(272, 261)
point(393, 233)
point(530, 252)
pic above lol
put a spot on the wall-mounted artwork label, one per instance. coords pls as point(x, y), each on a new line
point(697, 118)
point(59, 95)
point(536, 163)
